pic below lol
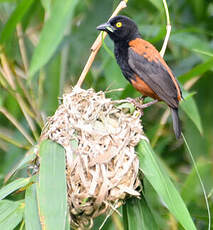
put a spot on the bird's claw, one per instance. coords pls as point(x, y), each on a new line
point(139, 104)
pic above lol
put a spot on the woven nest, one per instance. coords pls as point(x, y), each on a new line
point(99, 137)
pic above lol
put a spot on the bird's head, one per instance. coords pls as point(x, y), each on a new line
point(120, 28)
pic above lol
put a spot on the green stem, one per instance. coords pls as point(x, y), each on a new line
point(200, 180)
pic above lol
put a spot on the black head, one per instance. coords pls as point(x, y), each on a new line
point(120, 28)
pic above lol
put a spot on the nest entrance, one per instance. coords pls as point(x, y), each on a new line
point(99, 138)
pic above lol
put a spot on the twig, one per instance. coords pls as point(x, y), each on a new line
point(22, 47)
point(64, 62)
point(97, 44)
point(7, 72)
point(168, 29)
point(8, 75)
point(16, 124)
point(36, 115)
point(26, 67)
point(12, 141)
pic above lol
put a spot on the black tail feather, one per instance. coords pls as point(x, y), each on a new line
point(176, 122)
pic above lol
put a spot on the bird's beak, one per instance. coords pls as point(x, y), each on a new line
point(106, 27)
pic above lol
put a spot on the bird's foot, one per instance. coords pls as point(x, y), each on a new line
point(138, 103)
point(143, 106)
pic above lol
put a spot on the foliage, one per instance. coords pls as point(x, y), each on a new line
point(44, 46)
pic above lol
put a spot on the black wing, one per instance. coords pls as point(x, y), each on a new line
point(155, 75)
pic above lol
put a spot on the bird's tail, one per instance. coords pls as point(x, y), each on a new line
point(176, 122)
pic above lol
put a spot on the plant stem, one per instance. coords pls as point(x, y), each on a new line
point(168, 29)
point(22, 47)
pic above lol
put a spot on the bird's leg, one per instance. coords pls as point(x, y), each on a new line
point(139, 105)
point(149, 104)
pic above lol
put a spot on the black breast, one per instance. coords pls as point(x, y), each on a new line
point(121, 54)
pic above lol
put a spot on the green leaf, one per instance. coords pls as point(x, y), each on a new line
point(203, 52)
point(128, 106)
point(52, 188)
point(28, 158)
point(196, 71)
point(190, 41)
point(32, 221)
point(67, 225)
point(158, 178)
point(47, 5)
point(52, 33)
point(7, 0)
point(13, 186)
point(138, 215)
point(11, 214)
point(198, 7)
point(190, 108)
point(15, 18)
point(158, 4)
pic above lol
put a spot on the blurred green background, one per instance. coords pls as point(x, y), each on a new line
point(41, 75)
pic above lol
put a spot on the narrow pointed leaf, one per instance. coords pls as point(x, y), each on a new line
point(32, 221)
point(138, 215)
point(11, 214)
point(158, 4)
point(47, 5)
point(52, 33)
point(28, 158)
point(13, 186)
point(190, 108)
point(158, 178)
point(196, 71)
point(15, 18)
point(51, 188)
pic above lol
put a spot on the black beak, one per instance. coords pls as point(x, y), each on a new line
point(106, 27)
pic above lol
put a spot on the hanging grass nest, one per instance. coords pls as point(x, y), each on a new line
point(99, 136)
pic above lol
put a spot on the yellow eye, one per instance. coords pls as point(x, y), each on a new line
point(118, 24)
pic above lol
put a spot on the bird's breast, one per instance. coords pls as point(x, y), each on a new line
point(121, 55)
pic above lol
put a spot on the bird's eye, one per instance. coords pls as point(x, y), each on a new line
point(118, 24)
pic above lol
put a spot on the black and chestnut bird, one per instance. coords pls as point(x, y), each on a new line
point(143, 66)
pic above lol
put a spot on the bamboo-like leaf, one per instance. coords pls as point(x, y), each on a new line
point(196, 71)
point(138, 215)
point(47, 5)
point(7, 1)
point(28, 158)
point(210, 54)
point(67, 224)
point(158, 4)
point(13, 186)
point(11, 214)
point(32, 221)
point(16, 17)
point(157, 177)
point(190, 108)
point(52, 33)
point(190, 41)
point(51, 187)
